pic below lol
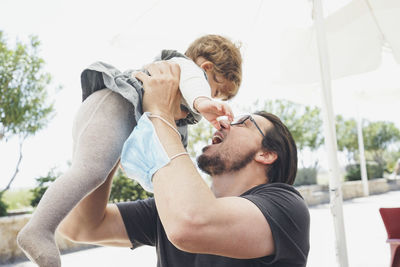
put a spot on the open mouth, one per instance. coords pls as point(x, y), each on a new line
point(217, 138)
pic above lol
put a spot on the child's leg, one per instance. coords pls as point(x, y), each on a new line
point(102, 125)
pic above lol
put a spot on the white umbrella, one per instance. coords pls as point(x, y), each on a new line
point(356, 35)
point(348, 42)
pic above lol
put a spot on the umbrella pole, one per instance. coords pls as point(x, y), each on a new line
point(335, 191)
point(363, 164)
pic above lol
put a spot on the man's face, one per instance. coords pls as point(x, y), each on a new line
point(233, 147)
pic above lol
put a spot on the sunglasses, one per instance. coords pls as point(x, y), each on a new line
point(243, 119)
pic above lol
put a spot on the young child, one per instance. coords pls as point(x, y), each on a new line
point(211, 67)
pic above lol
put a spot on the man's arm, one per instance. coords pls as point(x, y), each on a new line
point(194, 220)
point(96, 222)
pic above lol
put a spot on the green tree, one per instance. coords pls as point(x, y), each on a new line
point(125, 189)
point(200, 135)
point(346, 135)
point(24, 108)
point(306, 176)
point(353, 171)
point(43, 183)
point(378, 136)
point(3, 205)
point(391, 156)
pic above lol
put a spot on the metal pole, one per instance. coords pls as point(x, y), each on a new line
point(363, 165)
point(336, 203)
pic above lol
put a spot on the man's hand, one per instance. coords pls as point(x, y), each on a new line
point(211, 110)
point(162, 95)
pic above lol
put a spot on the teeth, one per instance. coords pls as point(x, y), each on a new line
point(216, 139)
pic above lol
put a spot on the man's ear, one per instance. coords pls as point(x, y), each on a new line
point(266, 158)
point(207, 65)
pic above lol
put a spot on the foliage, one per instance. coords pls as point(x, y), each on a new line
point(23, 95)
point(353, 172)
point(125, 189)
point(3, 206)
point(18, 199)
point(306, 176)
point(391, 157)
point(43, 183)
point(346, 135)
point(24, 108)
point(304, 122)
point(378, 136)
point(200, 135)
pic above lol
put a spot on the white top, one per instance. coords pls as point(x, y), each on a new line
point(193, 83)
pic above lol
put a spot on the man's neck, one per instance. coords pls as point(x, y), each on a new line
point(236, 183)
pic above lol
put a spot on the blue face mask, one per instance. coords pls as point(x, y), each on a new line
point(143, 154)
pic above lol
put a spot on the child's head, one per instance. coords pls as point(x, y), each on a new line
point(221, 60)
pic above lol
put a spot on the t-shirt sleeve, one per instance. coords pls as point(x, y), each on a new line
point(289, 220)
point(140, 219)
point(192, 83)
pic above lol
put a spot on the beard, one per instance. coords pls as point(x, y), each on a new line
point(216, 165)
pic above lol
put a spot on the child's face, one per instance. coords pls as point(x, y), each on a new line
point(220, 87)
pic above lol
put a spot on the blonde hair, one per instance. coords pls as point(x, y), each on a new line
point(225, 56)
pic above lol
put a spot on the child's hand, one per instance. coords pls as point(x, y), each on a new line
point(211, 110)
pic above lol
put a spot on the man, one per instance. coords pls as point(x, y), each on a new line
point(252, 216)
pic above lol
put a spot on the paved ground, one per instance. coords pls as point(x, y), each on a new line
point(365, 235)
point(365, 232)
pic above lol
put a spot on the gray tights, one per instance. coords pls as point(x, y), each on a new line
point(102, 124)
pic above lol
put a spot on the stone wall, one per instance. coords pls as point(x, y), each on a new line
point(318, 194)
point(354, 189)
point(9, 228)
point(314, 194)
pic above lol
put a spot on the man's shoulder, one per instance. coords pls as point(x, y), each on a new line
point(273, 187)
point(278, 197)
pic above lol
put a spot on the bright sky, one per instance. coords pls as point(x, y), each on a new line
point(128, 34)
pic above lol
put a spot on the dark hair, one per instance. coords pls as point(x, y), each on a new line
point(278, 139)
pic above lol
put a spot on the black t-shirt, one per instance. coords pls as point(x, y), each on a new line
point(281, 204)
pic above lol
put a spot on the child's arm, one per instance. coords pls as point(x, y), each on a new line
point(211, 110)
